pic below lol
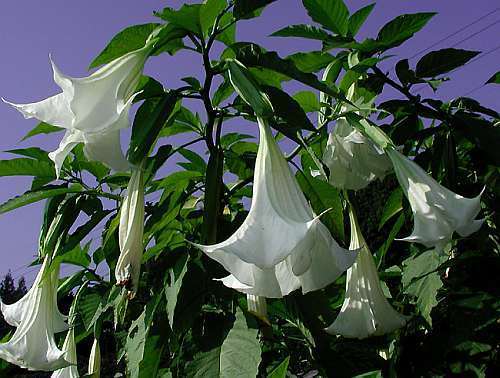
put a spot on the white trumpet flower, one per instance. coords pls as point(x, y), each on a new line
point(281, 246)
point(437, 211)
point(92, 109)
point(353, 160)
point(130, 233)
point(69, 347)
point(95, 360)
point(37, 319)
point(365, 311)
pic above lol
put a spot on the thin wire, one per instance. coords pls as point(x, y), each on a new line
point(476, 33)
point(455, 32)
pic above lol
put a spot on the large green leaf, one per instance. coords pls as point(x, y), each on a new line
point(26, 167)
point(172, 290)
point(303, 31)
point(137, 336)
point(311, 61)
point(307, 100)
point(209, 11)
point(441, 61)
point(253, 55)
point(42, 128)
point(401, 28)
point(248, 8)
point(332, 14)
point(248, 89)
point(238, 356)
point(393, 206)
point(421, 280)
point(358, 18)
point(323, 197)
point(148, 123)
point(280, 370)
point(187, 17)
point(129, 39)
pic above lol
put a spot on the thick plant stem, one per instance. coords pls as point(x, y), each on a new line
point(213, 195)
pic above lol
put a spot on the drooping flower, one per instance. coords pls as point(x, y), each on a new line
point(353, 160)
point(69, 347)
point(130, 233)
point(95, 360)
point(437, 211)
point(281, 246)
point(92, 109)
point(37, 319)
point(365, 311)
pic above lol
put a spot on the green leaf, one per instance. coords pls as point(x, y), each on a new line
point(26, 167)
point(441, 61)
point(238, 356)
point(393, 206)
point(311, 61)
point(148, 88)
point(358, 18)
point(303, 31)
point(169, 39)
point(209, 11)
point(323, 196)
point(289, 111)
point(280, 370)
point(244, 9)
point(137, 336)
point(248, 89)
point(129, 39)
point(148, 123)
point(401, 28)
point(332, 14)
point(224, 90)
point(32, 152)
point(421, 280)
point(495, 79)
point(172, 290)
point(196, 162)
point(187, 17)
point(307, 100)
point(77, 256)
point(253, 55)
point(42, 128)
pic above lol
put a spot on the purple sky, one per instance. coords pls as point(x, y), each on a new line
point(74, 32)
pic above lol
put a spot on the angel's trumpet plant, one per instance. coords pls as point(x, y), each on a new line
point(130, 233)
point(92, 109)
point(258, 306)
point(94, 368)
point(69, 347)
point(36, 318)
point(281, 246)
point(353, 160)
point(365, 311)
point(437, 211)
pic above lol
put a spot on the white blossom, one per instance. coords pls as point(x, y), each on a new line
point(281, 246)
point(92, 109)
point(36, 318)
point(365, 311)
point(130, 233)
point(437, 211)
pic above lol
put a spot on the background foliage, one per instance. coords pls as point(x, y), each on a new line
point(183, 323)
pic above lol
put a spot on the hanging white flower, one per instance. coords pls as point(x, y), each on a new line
point(130, 233)
point(281, 246)
point(69, 347)
point(92, 109)
point(365, 311)
point(437, 211)
point(37, 319)
point(353, 160)
point(95, 360)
